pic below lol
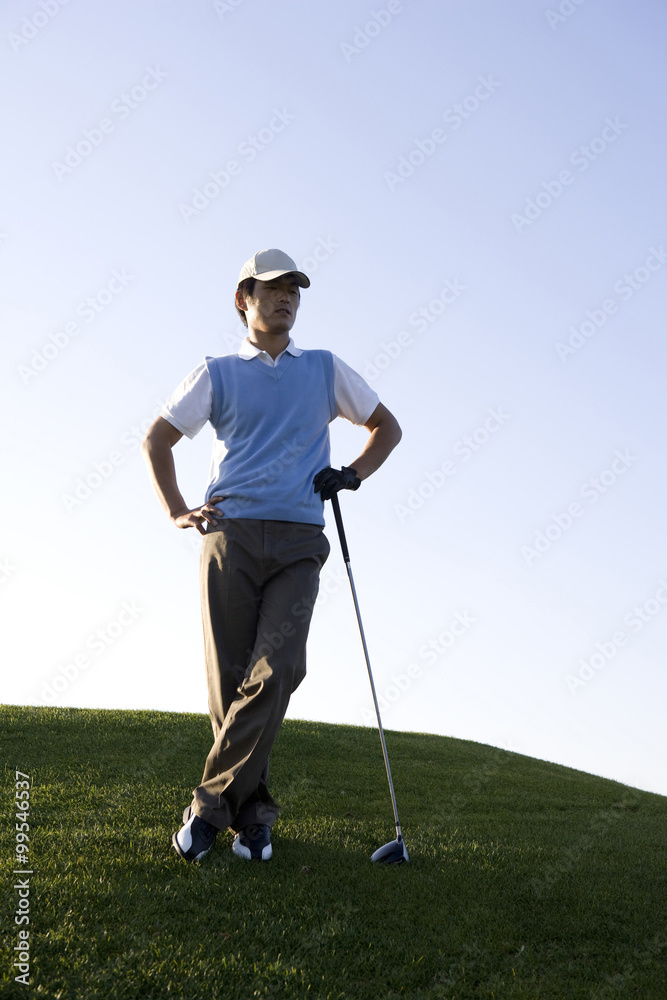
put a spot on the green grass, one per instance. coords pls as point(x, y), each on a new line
point(527, 880)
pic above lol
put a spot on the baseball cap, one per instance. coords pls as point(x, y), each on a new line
point(269, 264)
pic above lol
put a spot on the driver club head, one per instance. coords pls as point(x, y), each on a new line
point(393, 853)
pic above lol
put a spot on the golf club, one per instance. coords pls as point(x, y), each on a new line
point(395, 851)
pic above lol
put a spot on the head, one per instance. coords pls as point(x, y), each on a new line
point(268, 306)
point(268, 291)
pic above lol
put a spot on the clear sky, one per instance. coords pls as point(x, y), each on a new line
point(477, 192)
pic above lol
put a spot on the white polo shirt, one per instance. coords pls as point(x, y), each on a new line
point(189, 406)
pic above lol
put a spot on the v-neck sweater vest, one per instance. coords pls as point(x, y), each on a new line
point(273, 426)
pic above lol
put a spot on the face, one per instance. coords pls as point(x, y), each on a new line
point(273, 305)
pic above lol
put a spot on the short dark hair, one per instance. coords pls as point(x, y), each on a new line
point(246, 287)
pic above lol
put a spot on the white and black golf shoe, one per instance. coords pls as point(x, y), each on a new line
point(253, 843)
point(195, 838)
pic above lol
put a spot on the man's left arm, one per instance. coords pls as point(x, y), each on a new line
point(353, 396)
point(384, 435)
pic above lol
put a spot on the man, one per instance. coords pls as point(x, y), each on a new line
point(270, 406)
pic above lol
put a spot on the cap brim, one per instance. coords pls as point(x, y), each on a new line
point(302, 280)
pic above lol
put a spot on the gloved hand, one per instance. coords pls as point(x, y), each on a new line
point(329, 481)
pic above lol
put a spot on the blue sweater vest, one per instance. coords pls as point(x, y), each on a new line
point(274, 425)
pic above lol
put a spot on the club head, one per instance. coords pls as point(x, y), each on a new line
point(393, 853)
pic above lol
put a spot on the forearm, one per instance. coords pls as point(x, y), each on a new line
point(162, 471)
point(379, 445)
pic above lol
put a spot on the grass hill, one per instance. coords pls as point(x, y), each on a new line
point(527, 880)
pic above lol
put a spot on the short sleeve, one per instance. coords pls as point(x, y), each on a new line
point(355, 400)
point(189, 406)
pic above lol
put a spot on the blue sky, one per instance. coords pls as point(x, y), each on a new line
point(476, 190)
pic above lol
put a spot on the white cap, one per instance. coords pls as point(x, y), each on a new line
point(269, 264)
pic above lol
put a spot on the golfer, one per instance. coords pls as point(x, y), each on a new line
point(270, 406)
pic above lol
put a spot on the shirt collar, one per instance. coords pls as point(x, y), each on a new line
point(248, 350)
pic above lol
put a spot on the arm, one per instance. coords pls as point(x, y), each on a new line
point(157, 451)
point(384, 435)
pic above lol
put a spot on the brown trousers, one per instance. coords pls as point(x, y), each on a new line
point(259, 581)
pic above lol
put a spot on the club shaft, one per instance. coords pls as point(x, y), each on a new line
point(346, 557)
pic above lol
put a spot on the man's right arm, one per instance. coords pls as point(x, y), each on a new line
point(157, 451)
